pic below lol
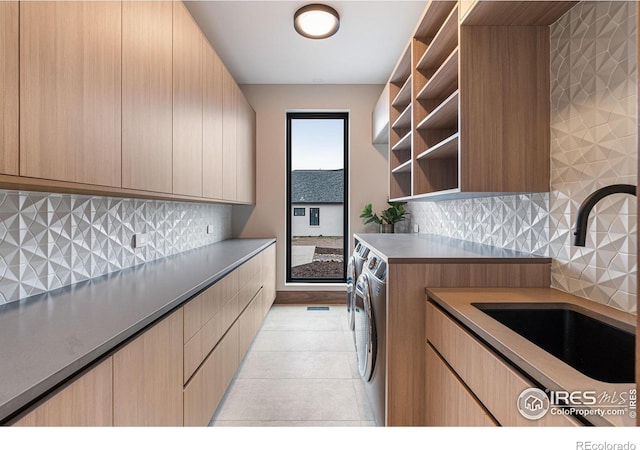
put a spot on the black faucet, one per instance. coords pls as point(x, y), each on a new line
point(590, 202)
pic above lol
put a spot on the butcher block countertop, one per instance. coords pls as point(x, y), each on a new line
point(546, 370)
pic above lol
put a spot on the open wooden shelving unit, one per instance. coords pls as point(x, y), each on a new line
point(400, 131)
point(469, 103)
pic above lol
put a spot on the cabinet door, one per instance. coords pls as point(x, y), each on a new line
point(212, 125)
point(245, 148)
point(205, 390)
point(229, 119)
point(87, 401)
point(449, 401)
point(70, 91)
point(187, 103)
point(147, 89)
point(147, 377)
point(9, 87)
point(249, 323)
point(268, 277)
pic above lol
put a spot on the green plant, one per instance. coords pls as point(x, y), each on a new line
point(394, 214)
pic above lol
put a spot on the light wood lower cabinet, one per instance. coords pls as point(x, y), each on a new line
point(175, 372)
point(269, 277)
point(449, 401)
point(249, 324)
point(9, 87)
point(147, 377)
point(495, 382)
point(205, 390)
point(87, 401)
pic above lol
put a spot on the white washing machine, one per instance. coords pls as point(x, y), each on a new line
point(370, 308)
point(354, 269)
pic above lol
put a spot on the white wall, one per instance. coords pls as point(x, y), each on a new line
point(330, 221)
point(367, 167)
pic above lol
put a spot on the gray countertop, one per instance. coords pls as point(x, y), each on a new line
point(48, 338)
point(419, 248)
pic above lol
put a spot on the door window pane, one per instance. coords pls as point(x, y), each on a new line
point(314, 217)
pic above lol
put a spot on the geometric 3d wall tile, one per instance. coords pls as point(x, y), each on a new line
point(515, 222)
point(594, 144)
point(48, 241)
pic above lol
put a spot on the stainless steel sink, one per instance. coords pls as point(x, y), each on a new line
point(595, 345)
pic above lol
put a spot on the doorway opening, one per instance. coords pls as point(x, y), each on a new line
point(317, 186)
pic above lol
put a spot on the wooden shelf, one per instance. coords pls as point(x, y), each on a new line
point(432, 19)
point(440, 195)
point(444, 115)
point(444, 42)
point(523, 13)
point(446, 149)
point(404, 121)
point(401, 199)
point(405, 167)
point(404, 143)
point(402, 70)
point(443, 80)
point(404, 96)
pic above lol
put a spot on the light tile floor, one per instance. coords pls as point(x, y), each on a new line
point(300, 371)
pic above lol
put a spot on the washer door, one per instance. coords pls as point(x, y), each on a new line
point(365, 329)
point(351, 275)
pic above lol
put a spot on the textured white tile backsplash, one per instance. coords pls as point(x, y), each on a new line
point(594, 88)
point(52, 240)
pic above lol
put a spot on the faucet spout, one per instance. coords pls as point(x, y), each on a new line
point(588, 204)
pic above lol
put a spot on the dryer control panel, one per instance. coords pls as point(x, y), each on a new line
point(377, 267)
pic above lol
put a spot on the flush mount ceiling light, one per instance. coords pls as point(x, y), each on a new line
point(316, 21)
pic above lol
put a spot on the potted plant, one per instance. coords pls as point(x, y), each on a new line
point(388, 217)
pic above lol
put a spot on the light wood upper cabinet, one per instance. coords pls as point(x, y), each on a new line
point(229, 130)
point(245, 151)
point(212, 125)
point(85, 402)
point(70, 91)
point(187, 103)
point(147, 95)
point(147, 377)
point(9, 87)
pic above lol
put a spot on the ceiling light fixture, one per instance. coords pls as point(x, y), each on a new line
point(316, 21)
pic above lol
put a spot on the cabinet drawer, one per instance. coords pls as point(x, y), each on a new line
point(249, 324)
point(201, 309)
point(205, 390)
point(249, 270)
point(449, 402)
point(494, 382)
point(200, 345)
point(248, 291)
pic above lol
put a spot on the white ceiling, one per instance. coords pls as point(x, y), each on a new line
point(257, 41)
